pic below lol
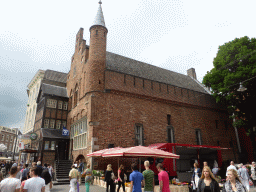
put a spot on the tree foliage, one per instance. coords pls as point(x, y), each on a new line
point(234, 63)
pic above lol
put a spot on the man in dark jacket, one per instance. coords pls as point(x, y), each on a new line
point(39, 168)
point(25, 171)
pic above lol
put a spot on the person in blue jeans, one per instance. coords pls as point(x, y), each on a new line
point(136, 178)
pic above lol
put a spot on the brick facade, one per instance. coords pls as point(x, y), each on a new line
point(115, 102)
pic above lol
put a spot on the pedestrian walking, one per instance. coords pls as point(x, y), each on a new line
point(163, 178)
point(196, 175)
point(25, 171)
point(11, 184)
point(253, 173)
point(244, 176)
point(50, 168)
point(120, 178)
point(35, 183)
point(73, 177)
point(109, 178)
point(23, 180)
point(231, 166)
point(233, 183)
point(207, 182)
point(19, 174)
point(148, 174)
point(39, 168)
point(88, 177)
point(80, 169)
point(48, 180)
point(136, 178)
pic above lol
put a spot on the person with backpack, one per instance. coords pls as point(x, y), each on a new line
point(109, 178)
point(48, 180)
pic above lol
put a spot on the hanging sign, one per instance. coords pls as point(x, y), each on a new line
point(33, 136)
point(65, 132)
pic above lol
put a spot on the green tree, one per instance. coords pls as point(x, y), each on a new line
point(235, 63)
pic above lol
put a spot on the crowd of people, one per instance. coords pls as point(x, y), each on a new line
point(25, 178)
point(205, 180)
point(238, 178)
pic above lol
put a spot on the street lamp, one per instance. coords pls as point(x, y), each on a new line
point(241, 88)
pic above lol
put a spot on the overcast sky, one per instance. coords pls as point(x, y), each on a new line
point(172, 34)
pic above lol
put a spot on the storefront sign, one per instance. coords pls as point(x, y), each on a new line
point(33, 136)
point(65, 132)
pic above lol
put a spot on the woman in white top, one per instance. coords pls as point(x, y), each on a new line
point(11, 184)
point(196, 174)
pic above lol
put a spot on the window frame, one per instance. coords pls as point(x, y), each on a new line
point(58, 124)
point(139, 134)
point(198, 137)
point(60, 104)
point(48, 124)
point(7, 138)
point(51, 103)
point(79, 134)
point(65, 105)
point(52, 121)
point(170, 134)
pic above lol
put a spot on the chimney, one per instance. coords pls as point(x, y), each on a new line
point(192, 73)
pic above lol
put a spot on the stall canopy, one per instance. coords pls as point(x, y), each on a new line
point(139, 151)
point(101, 152)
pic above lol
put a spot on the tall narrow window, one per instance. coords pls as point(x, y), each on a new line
point(65, 106)
point(168, 119)
point(75, 98)
point(52, 123)
point(58, 124)
point(96, 32)
point(60, 104)
point(46, 123)
point(170, 134)
point(198, 137)
point(139, 140)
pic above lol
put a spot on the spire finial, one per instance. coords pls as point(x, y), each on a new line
point(100, 2)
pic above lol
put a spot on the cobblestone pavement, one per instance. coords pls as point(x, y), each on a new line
point(65, 188)
point(93, 188)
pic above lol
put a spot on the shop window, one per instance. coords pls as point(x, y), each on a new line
point(52, 145)
point(46, 145)
point(7, 137)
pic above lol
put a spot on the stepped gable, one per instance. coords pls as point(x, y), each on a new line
point(132, 67)
point(54, 90)
point(55, 76)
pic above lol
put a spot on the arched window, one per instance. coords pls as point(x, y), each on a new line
point(70, 100)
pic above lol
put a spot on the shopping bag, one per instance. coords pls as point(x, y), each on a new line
point(77, 185)
point(193, 185)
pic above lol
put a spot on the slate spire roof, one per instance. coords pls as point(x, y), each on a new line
point(99, 19)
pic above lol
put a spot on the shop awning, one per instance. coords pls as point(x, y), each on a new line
point(53, 133)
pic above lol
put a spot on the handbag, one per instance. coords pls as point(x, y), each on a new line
point(113, 176)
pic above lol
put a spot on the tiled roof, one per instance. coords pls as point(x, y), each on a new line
point(55, 76)
point(54, 90)
point(132, 67)
point(53, 133)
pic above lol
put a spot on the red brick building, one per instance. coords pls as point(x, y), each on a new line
point(120, 101)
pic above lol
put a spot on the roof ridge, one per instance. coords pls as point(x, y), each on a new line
point(54, 85)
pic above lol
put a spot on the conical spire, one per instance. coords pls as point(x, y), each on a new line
point(99, 19)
